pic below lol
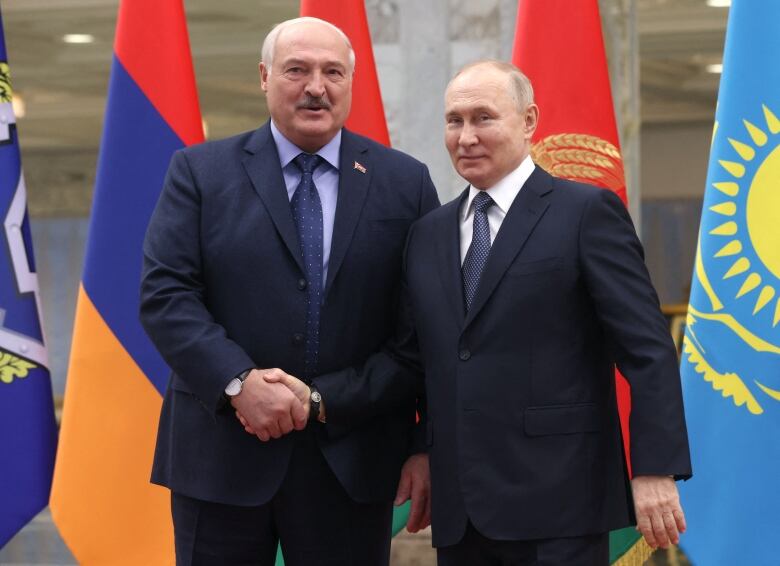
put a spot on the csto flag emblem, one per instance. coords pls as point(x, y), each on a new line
point(21, 348)
point(732, 325)
point(29, 435)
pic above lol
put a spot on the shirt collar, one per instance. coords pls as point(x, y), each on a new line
point(505, 191)
point(289, 151)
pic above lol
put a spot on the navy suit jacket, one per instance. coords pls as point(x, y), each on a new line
point(523, 429)
point(220, 294)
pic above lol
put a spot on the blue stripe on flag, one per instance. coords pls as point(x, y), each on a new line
point(136, 148)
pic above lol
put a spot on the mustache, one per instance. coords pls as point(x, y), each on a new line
point(313, 103)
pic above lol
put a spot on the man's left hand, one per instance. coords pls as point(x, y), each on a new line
point(659, 515)
point(416, 483)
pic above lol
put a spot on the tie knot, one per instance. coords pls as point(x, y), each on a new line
point(307, 162)
point(482, 202)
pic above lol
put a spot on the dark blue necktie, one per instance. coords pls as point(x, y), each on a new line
point(307, 213)
point(476, 256)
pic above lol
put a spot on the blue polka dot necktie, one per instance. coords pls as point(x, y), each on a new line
point(307, 214)
point(476, 256)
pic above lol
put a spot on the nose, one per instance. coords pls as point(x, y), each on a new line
point(315, 86)
point(468, 136)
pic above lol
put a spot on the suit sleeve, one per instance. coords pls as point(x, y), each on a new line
point(173, 308)
point(391, 378)
point(627, 306)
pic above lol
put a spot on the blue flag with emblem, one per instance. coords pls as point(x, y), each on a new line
point(731, 349)
point(27, 428)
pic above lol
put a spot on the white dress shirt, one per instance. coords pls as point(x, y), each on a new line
point(503, 194)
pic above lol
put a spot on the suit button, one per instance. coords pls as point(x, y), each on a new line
point(302, 284)
point(298, 338)
point(464, 355)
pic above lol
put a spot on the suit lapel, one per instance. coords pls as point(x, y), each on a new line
point(526, 210)
point(262, 165)
point(448, 253)
point(354, 179)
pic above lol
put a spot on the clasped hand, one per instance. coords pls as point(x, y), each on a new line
point(272, 403)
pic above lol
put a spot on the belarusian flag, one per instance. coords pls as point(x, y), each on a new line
point(367, 115)
point(559, 46)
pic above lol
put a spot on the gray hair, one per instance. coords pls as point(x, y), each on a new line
point(521, 90)
point(269, 44)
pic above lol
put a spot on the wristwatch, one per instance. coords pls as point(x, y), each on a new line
point(314, 404)
point(236, 385)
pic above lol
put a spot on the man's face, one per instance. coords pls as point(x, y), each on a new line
point(486, 134)
point(309, 88)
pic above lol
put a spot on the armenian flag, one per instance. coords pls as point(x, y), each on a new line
point(102, 501)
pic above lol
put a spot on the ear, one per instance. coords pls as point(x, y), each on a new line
point(531, 120)
point(263, 76)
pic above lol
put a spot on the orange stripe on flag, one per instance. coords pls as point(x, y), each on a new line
point(102, 501)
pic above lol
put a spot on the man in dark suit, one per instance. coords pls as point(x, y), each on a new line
point(523, 294)
point(526, 292)
point(281, 248)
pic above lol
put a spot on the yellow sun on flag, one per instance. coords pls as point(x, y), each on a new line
point(760, 280)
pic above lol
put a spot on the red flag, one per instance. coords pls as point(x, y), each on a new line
point(560, 48)
point(367, 116)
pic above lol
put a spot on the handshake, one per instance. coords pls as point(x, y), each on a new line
point(273, 403)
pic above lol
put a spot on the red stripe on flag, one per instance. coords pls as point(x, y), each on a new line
point(152, 42)
point(367, 116)
point(560, 47)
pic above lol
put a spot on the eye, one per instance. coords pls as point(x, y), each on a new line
point(335, 72)
point(454, 120)
point(294, 70)
point(484, 117)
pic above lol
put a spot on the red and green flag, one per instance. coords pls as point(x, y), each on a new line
point(560, 47)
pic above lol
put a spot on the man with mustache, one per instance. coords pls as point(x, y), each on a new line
point(281, 248)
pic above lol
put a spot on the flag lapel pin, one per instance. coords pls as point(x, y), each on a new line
point(359, 167)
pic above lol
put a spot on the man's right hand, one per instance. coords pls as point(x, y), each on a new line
point(267, 409)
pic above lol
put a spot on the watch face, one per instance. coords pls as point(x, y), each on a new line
point(234, 387)
point(315, 396)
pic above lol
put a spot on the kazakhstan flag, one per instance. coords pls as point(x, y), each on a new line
point(731, 358)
